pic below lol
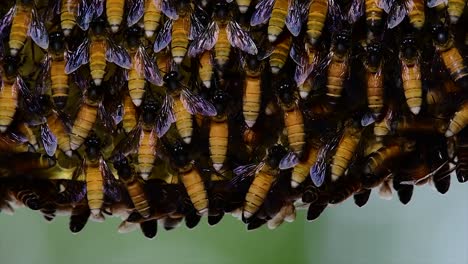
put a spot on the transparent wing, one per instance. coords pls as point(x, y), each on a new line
point(147, 67)
point(49, 140)
point(43, 80)
point(434, 3)
point(262, 12)
point(356, 11)
point(98, 6)
point(106, 118)
point(298, 54)
point(199, 21)
point(6, 21)
point(111, 185)
point(386, 5)
point(164, 37)
point(84, 15)
point(196, 104)
point(204, 41)
point(168, 7)
point(319, 169)
point(396, 15)
point(78, 58)
point(297, 12)
point(136, 11)
point(166, 116)
point(367, 119)
point(118, 55)
point(37, 31)
point(117, 115)
point(240, 38)
point(248, 170)
point(289, 161)
point(128, 145)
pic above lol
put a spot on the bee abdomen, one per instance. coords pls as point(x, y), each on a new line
point(9, 103)
point(454, 62)
point(316, 19)
point(68, 15)
point(411, 76)
point(416, 14)
point(280, 55)
point(375, 92)
point(196, 190)
point(94, 186)
point(29, 199)
point(373, 15)
point(19, 29)
point(301, 170)
point(336, 76)
point(146, 153)
point(222, 48)
point(455, 9)
point(218, 143)
point(114, 12)
point(294, 123)
point(459, 121)
point(58, 129)
point(59, 82)
point(183, 121)
point(136, 85)
point(97, 61)
point(206, 69)
point(129, 120)
point(252, 97)
point(151, 18)
point(180, 40)
point(257, 193)
point(83, 123)
point(137, 194)
point(343, 156)
point(277, 20)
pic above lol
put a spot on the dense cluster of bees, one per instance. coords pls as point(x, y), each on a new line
point(159, 111)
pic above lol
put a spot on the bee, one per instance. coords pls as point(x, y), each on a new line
point(24, 21)
point(459, 120)
point(129, 120)
point(265, 173)
point(280, 54)
point(28, 197)
point(397, 11)
point(151, 17)
point(205, 69)
point(221, 34)
point(277, 20)
point(143, 67)
point(375, 89)
point(190, 177)
point(411, 73)
point(455, 9)
point(450, 55)
point(306, 58)
point(219, 129)
point(318, 11)
point(293, 122)
point(345, 151)
point(181, 104)
point(100, 182)
point(24, 163)
point(372, 10)
point(251, 101)
point(96, 49)
point(178, 32)
point(68, 14)
point(301, 170)
point(134, 186)
point(377, 160)
point(11, 85)
point(338, 64)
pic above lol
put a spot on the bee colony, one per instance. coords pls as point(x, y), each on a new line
point(163, 111)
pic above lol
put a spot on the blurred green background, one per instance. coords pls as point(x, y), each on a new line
point(433, 228)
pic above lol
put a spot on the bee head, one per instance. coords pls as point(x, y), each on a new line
point(275, 154)
point(252, 63)
point(286, 93)
point(122, 165)
point(93, 147)
point(408, 47)
point(45, 104)
point(221, 9)
point(374, 54)
point(10, 66)
point(56, 41)
point(343, 41)
point(220, 101)
point(172, 80)
point(133, 36)
point(149, 111)
point(180, 155)
point(94, 93)
point(440, 33)
point(98, 26)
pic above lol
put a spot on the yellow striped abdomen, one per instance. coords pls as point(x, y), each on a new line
point(336, 75)
point(114, 12)
point(222, 48)
point(137, 194)
point(459, 120)
point(280, 55)
point(206, 69)
point(183, 120)
point(8, 103)
point(58, 129)
point(97, 60)
point(95, 188)
point(243, 5)
point(218, 139)
point(68, 15)
point(294, 123)
point(136, 85)
point(251, 100)
point(416, 14)
point(146, 152)
point(373, 14)
point(59, 82)
point(257, 192)
point(412, 84)
point(344, 152)
point(19, 29)
point(83, 124)
point(180, 39)
point(455, 9)
point(316, 19)
point(129, 120)
point(301, 170)
point(453, 61)
point(26, 130)
point(277, 19)
point(375, 92)
point(151, 18)
point(195, 187)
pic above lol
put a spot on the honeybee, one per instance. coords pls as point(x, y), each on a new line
point(375, 88)
point(180, 104)
point(220, 34)
point(384, 126)
point(302, 169)
point(280, 53)
point(134, 186)
point(459, 120)
point(455, 9)
point(96, 49)
point(11, 85)
point(345, 151)
point(306, 57)
point(100, 182)
point(265, 174)
point(219, 129)
point(377, 160)
point(318, 11)
point(143, 67)
point(338, 64)
point(251, 101)
point(68, 12)
point(24, 163)
point(411, 73)
point(24, 21)
point(189, 25)
point(129, 120)
point(450, 55)
point(293, 122)
point(397, 11)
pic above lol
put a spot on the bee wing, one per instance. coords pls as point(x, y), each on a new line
point(164, 37)
point(78, 58)
point(198, 23)
point(245, 171)
point(204, 41)
point(118, 55)
point(106, 118)
point(53, 9)
point(37, 31)
point(49, 140)
point(84, 15)
point(168, 7)
point(166, 116)
point(118, 114)
point(297, 12)
point(319, 169)
point(111, 185)
point(240, 38)
point(196, 104)
point(129, 144)
point(147, 67)
point(262, 12)
point(367, 119)
point(356, 11)
point(44, 76)
point(289, 161)
point(396, 15)
point(434, 3)
point(6, 21)
point(386, 5)
point(136, 11)
point(98, 6)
